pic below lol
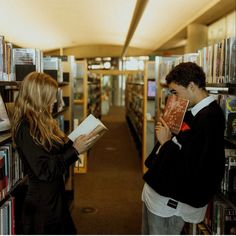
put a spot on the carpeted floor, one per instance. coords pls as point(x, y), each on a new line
point(108, 197)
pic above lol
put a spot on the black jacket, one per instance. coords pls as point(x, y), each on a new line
point(192, 174)
point(45, 209)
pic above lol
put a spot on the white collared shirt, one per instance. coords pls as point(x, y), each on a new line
point(157, 204)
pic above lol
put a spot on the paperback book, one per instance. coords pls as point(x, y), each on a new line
point(4, 119)
point(174, 112)
point(90, 126)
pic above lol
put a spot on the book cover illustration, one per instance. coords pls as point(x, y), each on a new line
point(231, 125)
point(24, 56)
point(4, 119)
point(174, 112)
point(232, 61)
point(91, 126)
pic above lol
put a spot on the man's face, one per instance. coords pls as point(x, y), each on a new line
point(183, 92)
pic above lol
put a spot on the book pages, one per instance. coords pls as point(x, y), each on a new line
point(92, 126)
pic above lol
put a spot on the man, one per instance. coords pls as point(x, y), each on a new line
point(184, 170)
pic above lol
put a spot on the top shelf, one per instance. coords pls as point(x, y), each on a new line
point(5, 137)
point(10, 83)
point(136, 83)
point(17, 83)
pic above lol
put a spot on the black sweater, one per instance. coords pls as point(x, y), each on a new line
point(192, 174)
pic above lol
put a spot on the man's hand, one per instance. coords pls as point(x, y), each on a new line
point(163, 133)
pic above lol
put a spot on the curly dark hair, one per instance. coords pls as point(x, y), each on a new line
point(187, 72)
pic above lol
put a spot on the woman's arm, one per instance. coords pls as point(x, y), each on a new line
point(45, 165)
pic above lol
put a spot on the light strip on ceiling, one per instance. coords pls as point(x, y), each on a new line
point(138, 12)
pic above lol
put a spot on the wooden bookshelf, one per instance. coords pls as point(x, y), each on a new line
point(135, 105)
point(149, 101)
point(94, 94)
point(67, 63)
point(80, 107)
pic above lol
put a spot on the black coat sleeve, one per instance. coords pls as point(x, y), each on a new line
point(44, 165)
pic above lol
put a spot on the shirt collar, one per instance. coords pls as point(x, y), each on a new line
point(203, 103)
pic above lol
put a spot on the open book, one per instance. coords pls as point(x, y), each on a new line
point(174, 112)
point(90, 125)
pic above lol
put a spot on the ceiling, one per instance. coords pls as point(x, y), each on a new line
point(143, 24)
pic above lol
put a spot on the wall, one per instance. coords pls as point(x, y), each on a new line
point(91, 51)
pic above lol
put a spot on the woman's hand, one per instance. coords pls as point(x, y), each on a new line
point(163, 133)
point(83, 142)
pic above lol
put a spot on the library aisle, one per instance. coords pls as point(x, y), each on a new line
point(108, 197)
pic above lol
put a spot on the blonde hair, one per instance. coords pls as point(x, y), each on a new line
point(36, 94)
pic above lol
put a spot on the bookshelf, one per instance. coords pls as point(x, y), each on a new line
point(87, 100)
point(61, 69)
point(94, 94)
point(67, 65)
point(222, 85)
point(15, 63)
point(13, 195)
point(11, 179)
point(149, 101)
point(80, 106)
point(136, 107)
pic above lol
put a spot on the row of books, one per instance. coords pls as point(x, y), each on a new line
point(10, 169)
point(16, 63)
point(220, 218)
point(53, 65)
point(223, 218)
point(228, 105)
point(219, 61)
point(7, 217)
point(229, 181)
point(166, 64)
point(94, 98)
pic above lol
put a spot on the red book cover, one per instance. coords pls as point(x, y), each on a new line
point(174, 112)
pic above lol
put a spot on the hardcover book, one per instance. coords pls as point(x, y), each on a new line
point(232, 61)
point(174, 112)
point(91, 126)
point(4, 119)
point(231, 125)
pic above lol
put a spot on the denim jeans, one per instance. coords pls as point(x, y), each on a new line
point(156, 225)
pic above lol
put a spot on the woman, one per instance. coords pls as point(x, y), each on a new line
point(46, 153)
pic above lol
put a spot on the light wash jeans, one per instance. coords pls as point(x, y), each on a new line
point(157, 225)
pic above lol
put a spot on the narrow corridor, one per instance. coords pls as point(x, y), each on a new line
point(108, 197)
